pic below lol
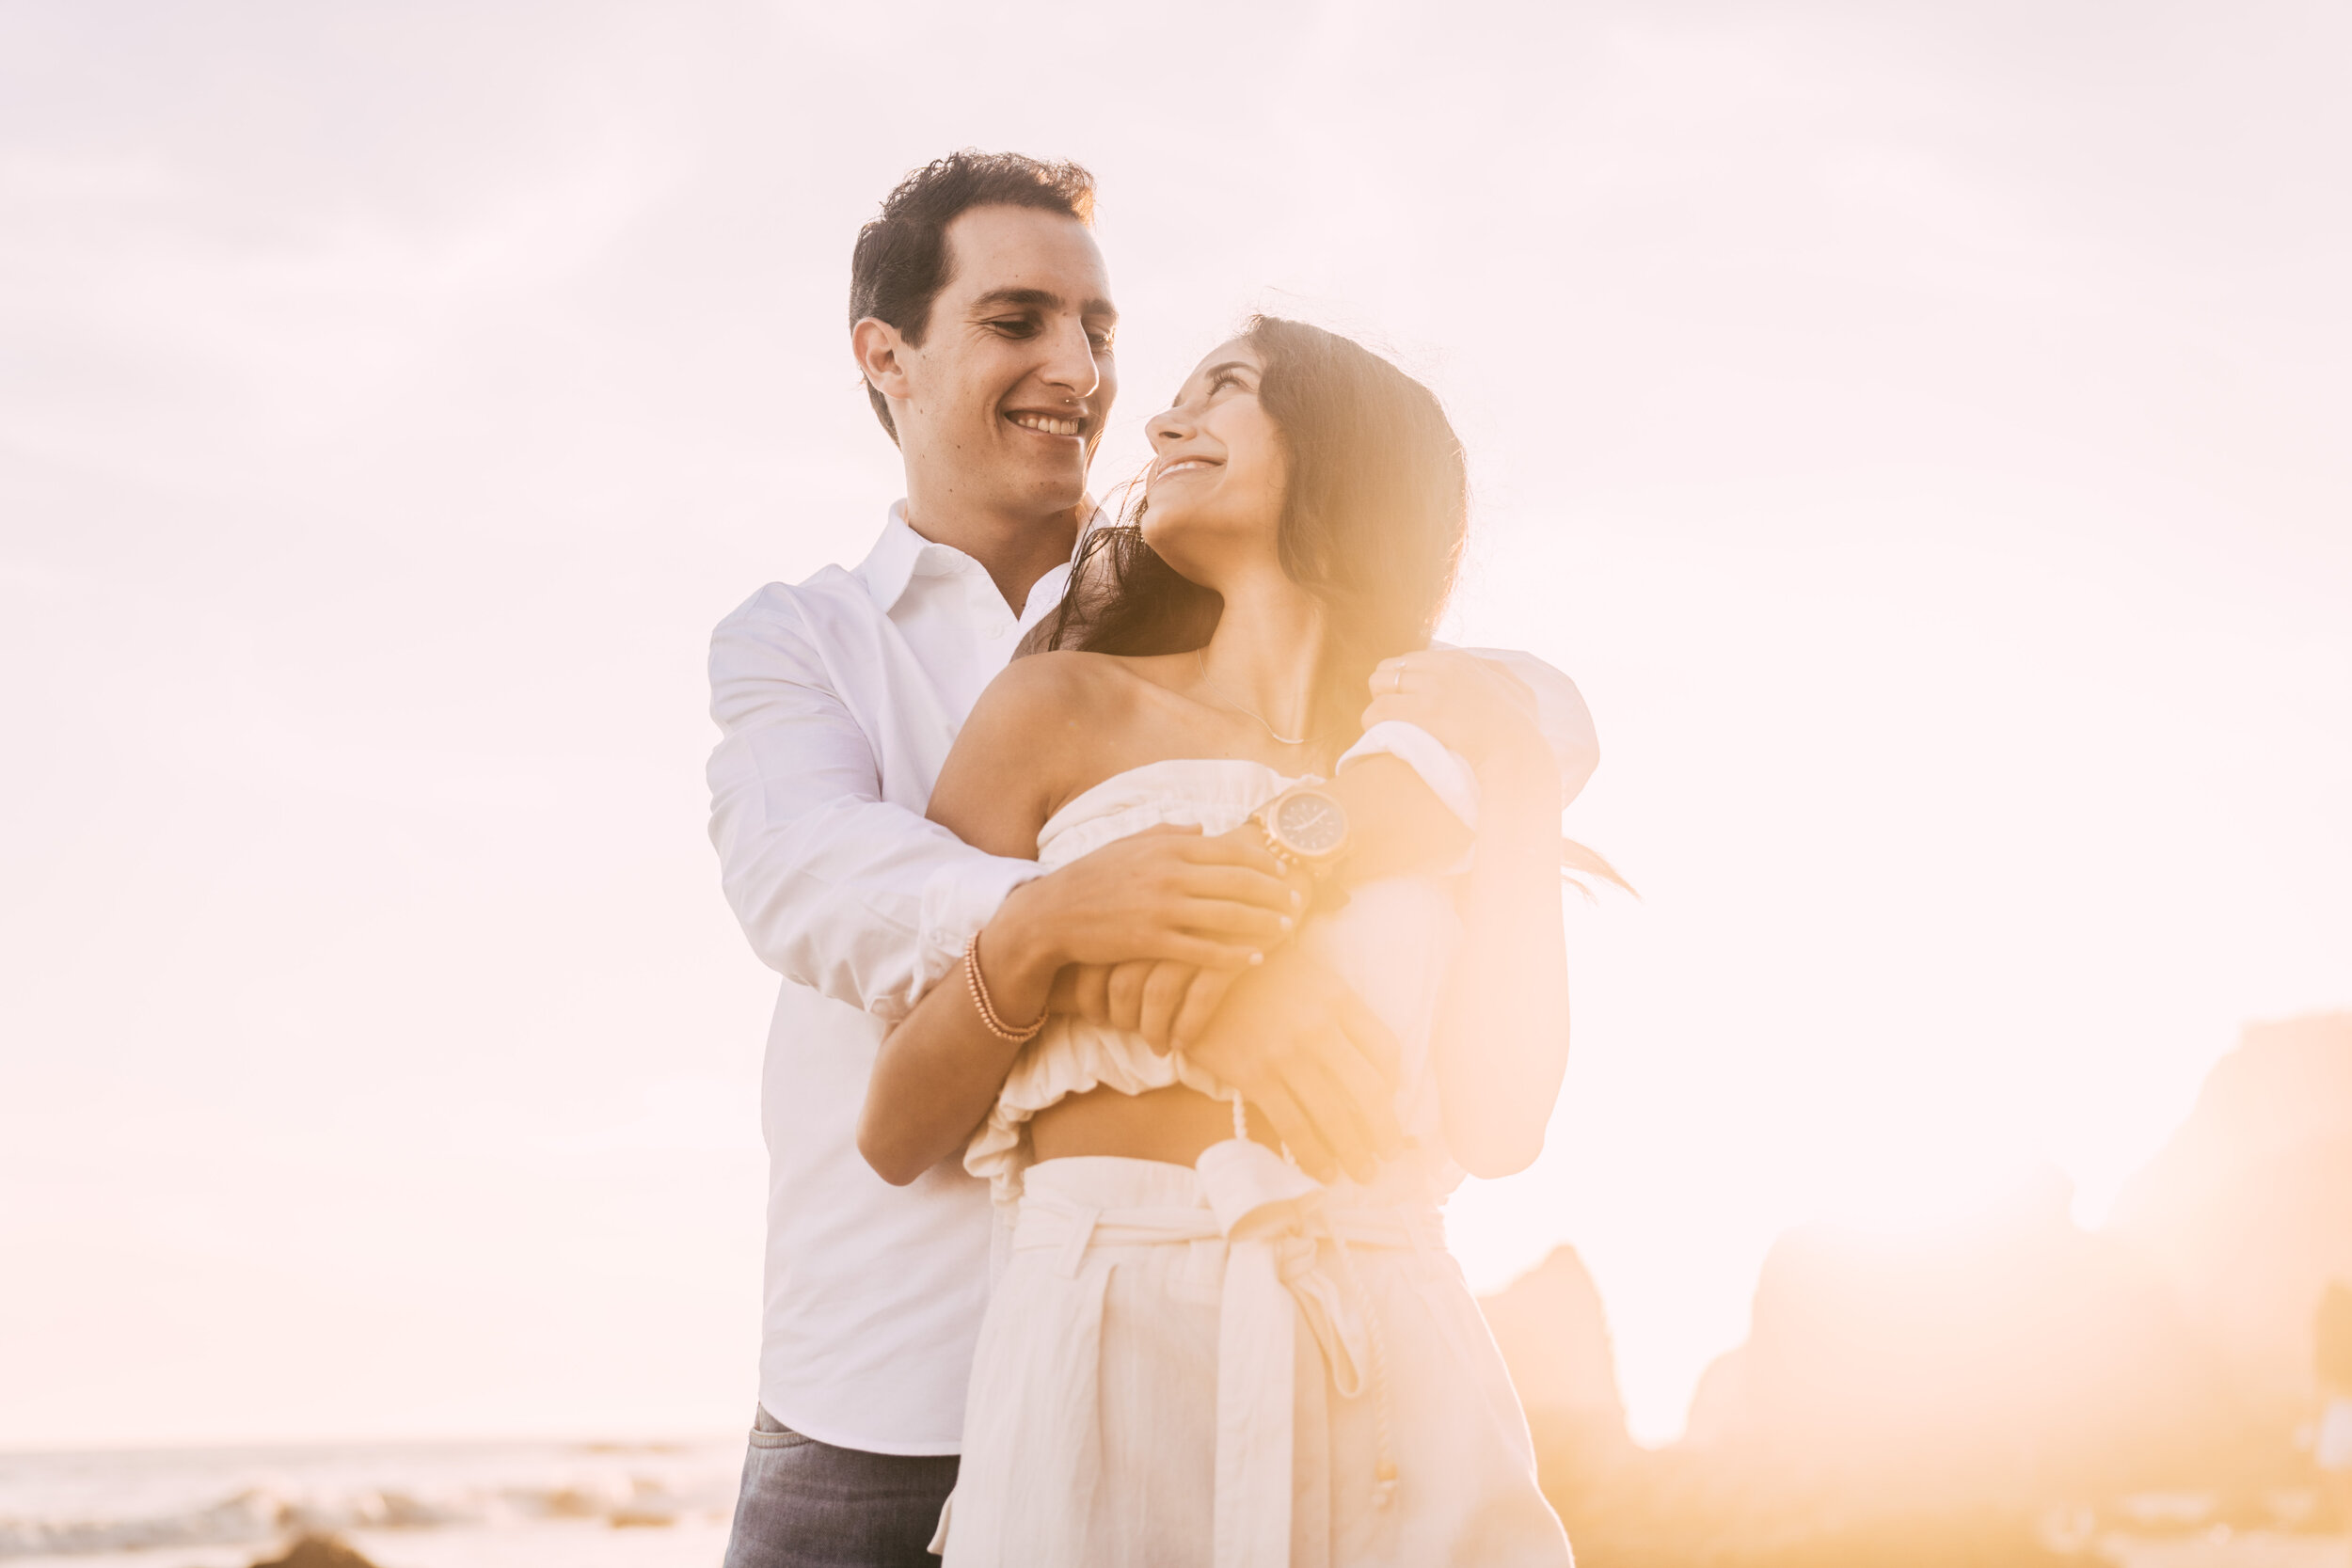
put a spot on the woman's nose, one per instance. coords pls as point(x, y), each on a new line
point(1168, 425)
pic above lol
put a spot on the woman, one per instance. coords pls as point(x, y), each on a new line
point(1195, 1353)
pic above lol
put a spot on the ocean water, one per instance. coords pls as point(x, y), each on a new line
point(445, 1505)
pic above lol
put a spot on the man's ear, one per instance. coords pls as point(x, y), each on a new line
point(877, 346)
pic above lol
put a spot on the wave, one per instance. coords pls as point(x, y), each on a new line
point(70, 1505)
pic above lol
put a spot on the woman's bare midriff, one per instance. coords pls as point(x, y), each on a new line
point(1173, 1124)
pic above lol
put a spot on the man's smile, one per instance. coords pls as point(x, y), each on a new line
point(1049, 425)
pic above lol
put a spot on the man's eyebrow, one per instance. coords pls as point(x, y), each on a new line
point(1041, 299)
point(996, 298)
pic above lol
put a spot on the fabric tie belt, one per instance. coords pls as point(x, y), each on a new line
point(1272, 1219)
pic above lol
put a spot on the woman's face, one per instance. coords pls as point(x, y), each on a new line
point(1218, 473)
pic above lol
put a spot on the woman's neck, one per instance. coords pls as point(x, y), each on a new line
point(1265, 652)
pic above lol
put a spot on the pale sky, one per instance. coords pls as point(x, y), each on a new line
point(1920, 429)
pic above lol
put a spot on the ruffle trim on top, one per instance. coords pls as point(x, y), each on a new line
point(1071, 1056)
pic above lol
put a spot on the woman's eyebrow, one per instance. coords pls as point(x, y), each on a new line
point(1231, 365)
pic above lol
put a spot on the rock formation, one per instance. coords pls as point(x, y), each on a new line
point(318, 1551)
point(2010, 1358)
point(1555, 1341)
point(2248, 1210)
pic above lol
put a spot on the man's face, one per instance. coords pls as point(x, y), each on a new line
point(1008, 394)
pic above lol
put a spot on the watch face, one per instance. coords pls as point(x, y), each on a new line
point(1310, 824)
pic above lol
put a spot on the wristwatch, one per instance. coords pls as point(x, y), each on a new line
point(1304, 828)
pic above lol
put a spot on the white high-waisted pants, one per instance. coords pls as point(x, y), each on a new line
point(1097, 1434)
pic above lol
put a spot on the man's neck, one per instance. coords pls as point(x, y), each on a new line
point(1015, 551)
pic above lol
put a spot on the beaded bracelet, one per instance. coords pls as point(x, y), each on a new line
point(983, 1005)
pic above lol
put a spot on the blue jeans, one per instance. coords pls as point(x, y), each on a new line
point(806, 1504)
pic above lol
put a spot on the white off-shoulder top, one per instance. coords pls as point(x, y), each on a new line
point(1392, 940)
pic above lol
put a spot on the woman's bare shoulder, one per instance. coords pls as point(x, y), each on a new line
point(1036, 715)
point(1045, 730)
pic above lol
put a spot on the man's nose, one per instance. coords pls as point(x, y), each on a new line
point(1070, 359)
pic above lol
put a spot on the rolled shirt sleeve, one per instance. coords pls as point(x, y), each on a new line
point(837, 884)
point(1566, 724)
point(1560, 713)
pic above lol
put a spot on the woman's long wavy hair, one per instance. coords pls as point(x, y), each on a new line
point(1372, 524)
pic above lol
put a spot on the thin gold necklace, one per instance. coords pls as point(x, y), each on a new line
point(1201, 659)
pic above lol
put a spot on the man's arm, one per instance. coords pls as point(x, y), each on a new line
point(835, 885)
point(1561, 716)
point(1418, 719)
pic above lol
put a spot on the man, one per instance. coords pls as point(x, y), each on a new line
point(982, 322)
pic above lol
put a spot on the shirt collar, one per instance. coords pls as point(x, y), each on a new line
point(889, 566)
point(901, 554)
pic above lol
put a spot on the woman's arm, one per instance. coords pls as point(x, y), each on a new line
point(1502, 1040)
point(1500, 1043)
point(1168, 894)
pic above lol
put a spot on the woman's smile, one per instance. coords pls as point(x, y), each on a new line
point(1182, 464)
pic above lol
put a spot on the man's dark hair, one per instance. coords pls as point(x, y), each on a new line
point(901, 260)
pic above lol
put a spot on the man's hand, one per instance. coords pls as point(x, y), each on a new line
point(1166, 894)
point(1168, 1001)
point(1304, 1050)
point(1474, 708)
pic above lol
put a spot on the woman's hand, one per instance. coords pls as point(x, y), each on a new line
point(1167, 895)
point(1295, 1042)
point(1170, 1001)
point(1168, 1004)
point(1474, 708)
point(1306, 1052)
point(1164, 895)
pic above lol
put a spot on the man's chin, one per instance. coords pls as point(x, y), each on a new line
point(1054, 495)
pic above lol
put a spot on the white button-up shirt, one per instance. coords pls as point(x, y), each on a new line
point(836, 701)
